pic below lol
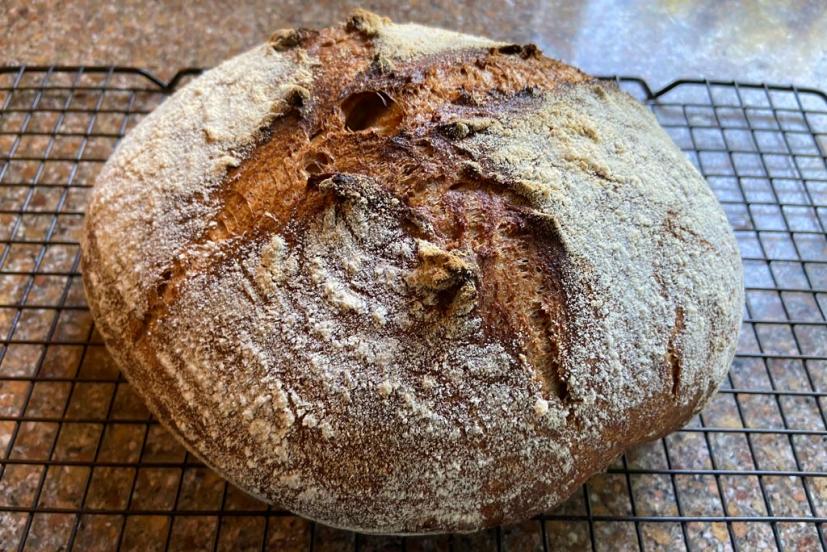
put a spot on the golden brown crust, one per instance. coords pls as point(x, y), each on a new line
point(391, 308)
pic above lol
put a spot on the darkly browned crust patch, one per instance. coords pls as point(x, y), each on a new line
point(674, 355)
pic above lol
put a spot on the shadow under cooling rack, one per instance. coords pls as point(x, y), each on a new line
point(83, 464)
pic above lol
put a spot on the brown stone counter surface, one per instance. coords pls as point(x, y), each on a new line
point(78, 447)
point(778, 42)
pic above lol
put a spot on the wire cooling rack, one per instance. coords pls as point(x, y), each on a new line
point(84, 466)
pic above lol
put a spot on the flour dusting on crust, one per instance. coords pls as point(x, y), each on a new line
point(412, 40)
point(179, 153)
point(657, 251)
point(409, 40)
point(530, 279)
point(347, 373)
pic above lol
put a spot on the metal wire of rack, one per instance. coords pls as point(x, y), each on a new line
point(84, 466)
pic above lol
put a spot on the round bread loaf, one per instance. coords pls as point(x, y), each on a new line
point(403, 280)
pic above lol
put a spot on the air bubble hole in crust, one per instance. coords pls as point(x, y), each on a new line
point(371, 110)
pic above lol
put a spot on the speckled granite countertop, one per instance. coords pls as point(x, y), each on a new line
point(78, 446)
point(780, 42)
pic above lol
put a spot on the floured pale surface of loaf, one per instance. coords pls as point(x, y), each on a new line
point(402, 280)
